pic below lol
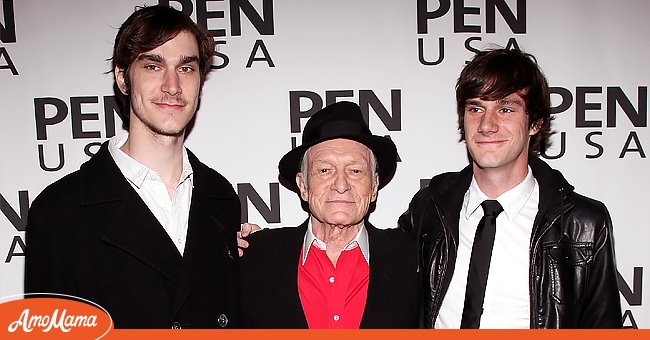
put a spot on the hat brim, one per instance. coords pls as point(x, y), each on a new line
point(383, 148)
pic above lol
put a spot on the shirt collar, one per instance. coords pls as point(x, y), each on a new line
point(361, 240)
point(136, 172)
point(512, 200)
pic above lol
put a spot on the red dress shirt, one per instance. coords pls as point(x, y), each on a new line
point(333, 297)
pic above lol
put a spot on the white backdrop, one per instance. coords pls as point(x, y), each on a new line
point(279, 58)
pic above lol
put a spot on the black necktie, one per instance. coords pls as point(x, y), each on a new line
point(479, 265)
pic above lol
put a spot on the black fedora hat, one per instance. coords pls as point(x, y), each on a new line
point(339, 120)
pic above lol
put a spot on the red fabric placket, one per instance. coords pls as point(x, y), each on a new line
point(333, 297)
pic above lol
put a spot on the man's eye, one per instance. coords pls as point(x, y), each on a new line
point(323, 171)
point(186, 69)
point(151, 67)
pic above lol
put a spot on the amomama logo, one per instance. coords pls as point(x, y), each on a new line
point(36, 316)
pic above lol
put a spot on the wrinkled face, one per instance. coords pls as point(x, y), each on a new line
point(341, 184)
point(165, 86)
point(497, 132)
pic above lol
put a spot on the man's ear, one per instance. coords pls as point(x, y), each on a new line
point(536, 127)
point(120, 80)
point(375, 187)
point(304, 194)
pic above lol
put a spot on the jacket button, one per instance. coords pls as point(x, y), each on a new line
point(222, 320)
point(176, 325)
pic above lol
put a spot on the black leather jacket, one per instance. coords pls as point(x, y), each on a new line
point(572, 272)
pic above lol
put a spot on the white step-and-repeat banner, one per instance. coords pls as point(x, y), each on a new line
point(279, 61)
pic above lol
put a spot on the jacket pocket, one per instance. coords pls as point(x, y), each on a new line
point(568, 264)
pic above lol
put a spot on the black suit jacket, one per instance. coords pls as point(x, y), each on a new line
point(269, 278)
point(90, 235)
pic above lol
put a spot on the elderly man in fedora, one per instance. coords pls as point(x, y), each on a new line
point(335, 270)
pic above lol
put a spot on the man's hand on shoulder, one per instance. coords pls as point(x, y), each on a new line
point(246, 229)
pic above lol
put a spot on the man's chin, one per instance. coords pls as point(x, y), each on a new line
point(168, 131)
point(344, 222)
point(484, 163)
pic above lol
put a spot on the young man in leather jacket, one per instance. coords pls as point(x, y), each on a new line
point(552, 263)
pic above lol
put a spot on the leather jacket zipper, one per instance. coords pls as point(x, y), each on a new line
point(533, 266)
point(436, 302)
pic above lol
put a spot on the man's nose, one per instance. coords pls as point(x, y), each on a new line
point(341, 183)
point(488, 122)
point(171, 83)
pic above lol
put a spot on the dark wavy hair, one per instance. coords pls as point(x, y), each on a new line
point(146, 29)
point(497, 73)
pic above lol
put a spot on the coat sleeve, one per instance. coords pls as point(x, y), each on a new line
point(405, 221)
point(602, 307)
point(47, 266)
point(419, 211)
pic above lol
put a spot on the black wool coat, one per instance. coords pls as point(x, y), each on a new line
point(269, 280)
point(91, 235)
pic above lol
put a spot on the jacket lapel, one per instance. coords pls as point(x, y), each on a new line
point(137, 231)
point(449, 198)
point(134, 229)
point(211, 229)
point(381, 282)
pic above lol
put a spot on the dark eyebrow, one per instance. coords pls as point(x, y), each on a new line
point(510, 102)
point(160, 59)
point(472, 102)
point(152, 57)
point(189, 59)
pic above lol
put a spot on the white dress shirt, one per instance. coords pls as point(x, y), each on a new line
point(361, 241)
point(507, 300)
point(172, 212)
